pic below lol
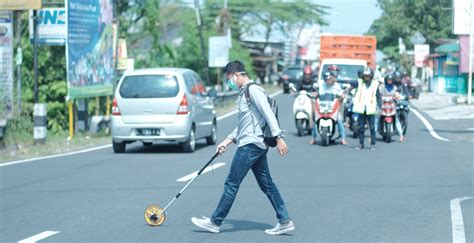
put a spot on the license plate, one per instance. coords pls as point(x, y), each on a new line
point(148, 132)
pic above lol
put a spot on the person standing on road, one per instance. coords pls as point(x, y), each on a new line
point(251, 154)
point(365, 104)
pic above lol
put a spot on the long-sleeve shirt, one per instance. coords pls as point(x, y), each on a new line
point(252, 117)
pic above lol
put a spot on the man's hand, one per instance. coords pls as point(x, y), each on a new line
point(281, 146)
point(221, 148)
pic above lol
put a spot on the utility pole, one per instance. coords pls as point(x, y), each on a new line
point(35, 54)
point(201, 37)
point(19, 57)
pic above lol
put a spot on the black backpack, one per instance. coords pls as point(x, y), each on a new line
point(267, 133)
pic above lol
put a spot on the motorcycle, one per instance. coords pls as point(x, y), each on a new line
point(327, 112)
point(387, 117)
point(302, 111)
point(349, 116)
point(402, 111)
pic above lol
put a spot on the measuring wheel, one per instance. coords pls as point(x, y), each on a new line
point(154, 215)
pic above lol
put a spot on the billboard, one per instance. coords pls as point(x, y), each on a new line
point(20, 4)
point(6, 64)
point(89, 48)
point(421, 52)
point(464, 54)
point(461, 17)
point(51, 26)
point(218, 51)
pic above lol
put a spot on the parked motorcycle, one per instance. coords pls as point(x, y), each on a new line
point(302, 110)
point(387, 119)
point(327, 112)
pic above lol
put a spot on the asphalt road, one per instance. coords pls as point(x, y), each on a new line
point(400, 192)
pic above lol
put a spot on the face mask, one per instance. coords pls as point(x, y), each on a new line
point(232, 85)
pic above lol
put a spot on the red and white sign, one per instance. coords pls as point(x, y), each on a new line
point(421, 52)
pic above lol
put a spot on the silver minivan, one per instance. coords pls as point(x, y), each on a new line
point(162, 104)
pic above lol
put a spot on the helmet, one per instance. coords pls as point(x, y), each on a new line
point(397, 76)
point(369, 72)
point(308, 70)
point(389, 77)
point(333, 70)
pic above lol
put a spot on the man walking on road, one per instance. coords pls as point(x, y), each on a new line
point(254, 112)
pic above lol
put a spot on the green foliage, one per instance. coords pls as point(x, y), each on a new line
point(402, 18)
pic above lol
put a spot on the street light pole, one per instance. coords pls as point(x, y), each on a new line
point(201, 38)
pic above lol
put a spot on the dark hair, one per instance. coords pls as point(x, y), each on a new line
point(234, 67)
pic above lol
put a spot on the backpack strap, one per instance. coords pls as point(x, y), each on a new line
point(247, 91)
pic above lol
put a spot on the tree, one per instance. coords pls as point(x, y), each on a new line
point(402, 18)
point(282, 15)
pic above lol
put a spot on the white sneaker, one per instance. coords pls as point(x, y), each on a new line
point(205, 223)
point(281, 229)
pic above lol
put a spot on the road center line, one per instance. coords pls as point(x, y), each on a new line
point(428, 126)
point(192, 175)
point(38, 237)
point(457, 220)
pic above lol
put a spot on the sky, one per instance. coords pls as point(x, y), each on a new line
point(350, 16)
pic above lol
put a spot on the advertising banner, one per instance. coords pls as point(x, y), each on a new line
point(89, 48)
point(421, 52)
point(20, 4)
point(51, 26)
point(6, 64)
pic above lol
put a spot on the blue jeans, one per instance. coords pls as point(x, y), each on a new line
point(249, 157)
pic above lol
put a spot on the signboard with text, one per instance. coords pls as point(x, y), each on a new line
point(20, 4)
point(6, 64)
point(421, 52)
point(51, 26)
point(89, 48)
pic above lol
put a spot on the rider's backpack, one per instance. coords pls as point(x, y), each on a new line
point(267, 133)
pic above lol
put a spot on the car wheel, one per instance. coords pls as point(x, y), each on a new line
point(212, 139)
point(118, 147)
point(190, 145)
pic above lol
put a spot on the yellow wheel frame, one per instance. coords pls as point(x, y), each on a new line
point(151, 212)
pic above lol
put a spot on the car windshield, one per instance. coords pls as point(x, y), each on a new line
point(149, 86)
point(346, 72)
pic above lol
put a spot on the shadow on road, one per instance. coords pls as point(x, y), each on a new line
point(160, 148)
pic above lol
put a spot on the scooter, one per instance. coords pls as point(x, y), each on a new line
point(327, 112)
point(402, 111)
point(387, 118)
point(302, 111)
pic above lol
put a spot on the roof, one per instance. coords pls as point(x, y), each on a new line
point(448, 47)
point(163, 70)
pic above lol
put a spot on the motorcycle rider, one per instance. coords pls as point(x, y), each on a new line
point(390, 89)
point(308, 80)
point(402, 87)
point(331, 86)
point(366, 102)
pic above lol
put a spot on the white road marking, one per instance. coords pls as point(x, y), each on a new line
point(457, 221)
point(229, 114)
point(56, 155)
point(428, 126)
point(192, 175)
point(38, 237)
